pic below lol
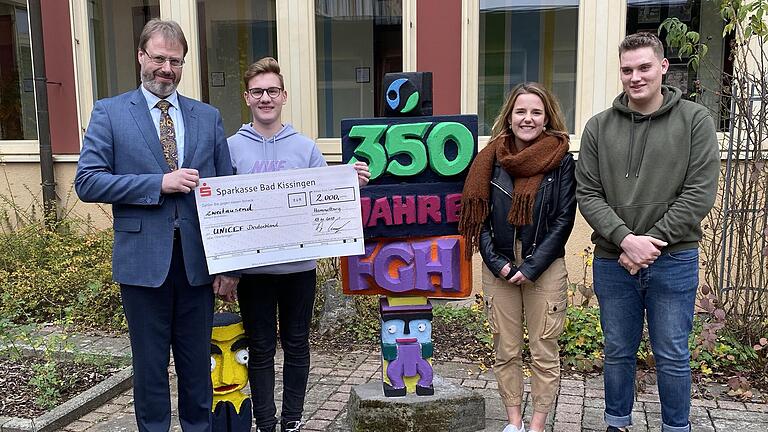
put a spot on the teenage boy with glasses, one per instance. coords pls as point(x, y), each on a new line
point(265, 145)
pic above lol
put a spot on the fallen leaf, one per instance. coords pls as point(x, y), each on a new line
point(720, 314)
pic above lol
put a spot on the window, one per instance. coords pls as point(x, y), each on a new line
point(233, 34)
point(526, 40)
point(701, 16)
point(18, 118)
point(358, 41)
point(114, 29)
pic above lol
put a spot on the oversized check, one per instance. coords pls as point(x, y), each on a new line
point(254, 220)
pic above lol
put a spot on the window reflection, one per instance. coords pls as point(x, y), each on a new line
point(115, 28)
point(18, 119)
point(526, 40)
point(358, 41)
point(236, 33)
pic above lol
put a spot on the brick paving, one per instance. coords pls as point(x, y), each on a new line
point(579, 406)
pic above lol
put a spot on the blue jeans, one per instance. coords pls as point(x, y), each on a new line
point(665, 292)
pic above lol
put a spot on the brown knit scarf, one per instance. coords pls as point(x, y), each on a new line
point(526, 167)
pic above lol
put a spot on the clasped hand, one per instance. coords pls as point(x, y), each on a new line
point(517, 279)
point(639, 252)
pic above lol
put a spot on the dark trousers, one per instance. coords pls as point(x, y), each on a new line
point(261, 297)
point(174, 316)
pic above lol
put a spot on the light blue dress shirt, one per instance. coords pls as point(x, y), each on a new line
point(174, 111)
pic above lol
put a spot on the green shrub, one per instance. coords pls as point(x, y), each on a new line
point(725, 354)
point(63, 273)
point(581, 344)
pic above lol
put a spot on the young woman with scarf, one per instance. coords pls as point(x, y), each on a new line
point(518, 209)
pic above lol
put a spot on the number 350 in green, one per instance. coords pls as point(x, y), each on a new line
point(409, 139)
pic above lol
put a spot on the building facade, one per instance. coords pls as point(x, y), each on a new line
point(334, 54)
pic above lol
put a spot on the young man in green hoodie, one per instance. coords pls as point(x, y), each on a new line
point(647, 175)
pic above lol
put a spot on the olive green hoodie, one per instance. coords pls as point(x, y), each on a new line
point(653, 174)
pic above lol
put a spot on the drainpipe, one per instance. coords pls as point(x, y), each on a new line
point(43, 123)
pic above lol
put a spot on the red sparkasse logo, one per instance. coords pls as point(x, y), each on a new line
point(205, 190)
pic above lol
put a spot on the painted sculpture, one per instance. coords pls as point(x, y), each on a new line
point(406, 345)
point(232, 411)
point(410, 212)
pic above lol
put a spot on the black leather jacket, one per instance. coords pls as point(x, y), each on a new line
point(554, 212)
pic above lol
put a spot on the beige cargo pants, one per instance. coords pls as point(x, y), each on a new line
point(542, 304)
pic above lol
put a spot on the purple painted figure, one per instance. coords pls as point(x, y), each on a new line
point(406, 346)
point(409, 363)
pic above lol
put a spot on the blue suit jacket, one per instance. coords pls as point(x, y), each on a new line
point(122, 163)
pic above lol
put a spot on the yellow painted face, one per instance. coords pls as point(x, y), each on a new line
point(229, 359)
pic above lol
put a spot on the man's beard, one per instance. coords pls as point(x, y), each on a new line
point(159, 89)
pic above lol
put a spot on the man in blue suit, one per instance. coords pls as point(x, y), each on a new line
point(144, 152)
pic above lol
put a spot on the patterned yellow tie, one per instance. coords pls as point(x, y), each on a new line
point(168, 135)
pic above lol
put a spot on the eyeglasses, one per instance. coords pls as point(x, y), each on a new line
point(160, 60)
point(272, 92)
